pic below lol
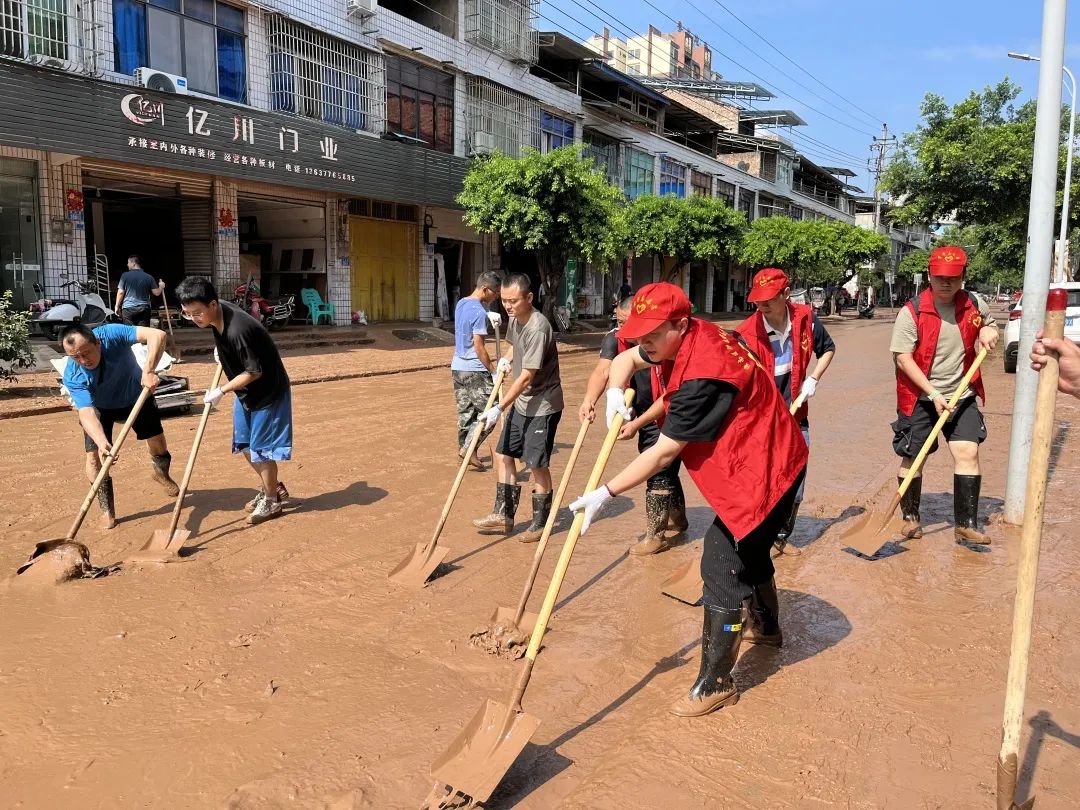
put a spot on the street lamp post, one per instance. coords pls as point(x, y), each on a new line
point(1059, 263)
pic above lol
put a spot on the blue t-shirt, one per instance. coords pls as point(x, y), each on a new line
point(136, 285)
point(470, 318)
point(117, 380)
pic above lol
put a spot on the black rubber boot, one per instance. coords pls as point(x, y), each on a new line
point(657, 511)
point(763, 616)
point(966, 509)
point(720, 636)
point(107, 502)
point(162, 464)
point(502, 514)
point(677, 521)
point(541, 503)
point(781, 543)
point(909, 508)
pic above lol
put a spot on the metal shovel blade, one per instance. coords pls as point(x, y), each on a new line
point(162, 546)
point(44, 547)
point(871, 531)
point(685, 583)
point(415, 570)
point(504, 617)
point(483, 752)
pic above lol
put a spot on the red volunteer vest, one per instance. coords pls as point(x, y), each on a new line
point(802, 347)
point(928, 323)
point(760, 452)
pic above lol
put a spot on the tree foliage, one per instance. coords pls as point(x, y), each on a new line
point(685, 229)
point(15, 349)
point(556, 205)
point(812, 252)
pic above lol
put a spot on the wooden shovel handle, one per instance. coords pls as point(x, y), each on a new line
point(1030, 538)
point(797, 403)
point(191, 456)
point(107, 465)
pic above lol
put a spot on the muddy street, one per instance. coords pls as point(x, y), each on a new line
point(275, 666)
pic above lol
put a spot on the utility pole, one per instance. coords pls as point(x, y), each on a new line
point(876, 165)
point(1040, 237)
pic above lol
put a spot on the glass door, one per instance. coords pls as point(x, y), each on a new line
point(20, 256)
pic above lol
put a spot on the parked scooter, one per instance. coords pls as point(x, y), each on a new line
point(271, 314)
point(87, 308)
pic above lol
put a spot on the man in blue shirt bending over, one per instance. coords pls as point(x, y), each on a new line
point(104, 380)
point(472, 367)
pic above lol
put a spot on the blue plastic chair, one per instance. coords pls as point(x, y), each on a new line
point(317, 308)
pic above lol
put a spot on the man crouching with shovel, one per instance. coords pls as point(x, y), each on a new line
point(104, 380)
point(728, 422)
point(262, 411)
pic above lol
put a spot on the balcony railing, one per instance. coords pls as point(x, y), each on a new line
point(504, 26)
point(59, 34)
point(832, 200)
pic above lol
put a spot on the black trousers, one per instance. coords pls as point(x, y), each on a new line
point(730, 569)
point(667, 478)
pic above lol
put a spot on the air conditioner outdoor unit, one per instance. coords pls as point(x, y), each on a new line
point(365, 8)
point(483, 143)
point(159, 80)
point(51, 62)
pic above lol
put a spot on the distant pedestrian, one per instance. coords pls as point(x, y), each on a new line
point(472, 369)
point(134, 292)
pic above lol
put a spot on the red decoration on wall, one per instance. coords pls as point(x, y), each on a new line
point(74, 200)
point(226, 219)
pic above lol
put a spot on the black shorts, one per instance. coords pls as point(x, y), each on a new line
point(910, 432)
point(136, 316)
point(147, 424)
point(530, 438)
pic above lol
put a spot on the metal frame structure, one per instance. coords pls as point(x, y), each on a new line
point(501, 119)
point(504, 26)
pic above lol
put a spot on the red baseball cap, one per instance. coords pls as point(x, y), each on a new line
point(654, 304)
point(768, 283)
point(948, 261)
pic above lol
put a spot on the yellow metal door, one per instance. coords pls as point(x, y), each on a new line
point(385, 263)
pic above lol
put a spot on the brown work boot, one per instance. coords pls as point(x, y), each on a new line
point(966, 510)
point(677, 521)
point(657, 512)
point(161, 474)
point(474, 462)
point(714, 688)
point(502, 514)
point(909, 509)
point(107, 503)
point(762, 613)
point(541, 503)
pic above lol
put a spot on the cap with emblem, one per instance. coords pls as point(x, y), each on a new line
point(948, 261)
point(767, 283)
point(653, 305)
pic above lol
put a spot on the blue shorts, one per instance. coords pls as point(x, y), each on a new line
point(266, 433)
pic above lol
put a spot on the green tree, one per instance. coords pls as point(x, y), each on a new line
point(556, 205)
point(853, 246)
point(15, 349)
point(684, 229)
point(812, 252)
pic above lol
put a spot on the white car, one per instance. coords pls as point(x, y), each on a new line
point(1072, 323)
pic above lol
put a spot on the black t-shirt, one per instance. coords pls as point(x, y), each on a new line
point(245, 345)
point(641, 382)
point(696, 412)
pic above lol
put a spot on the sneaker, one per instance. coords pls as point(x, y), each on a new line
point(265, 510)
point(282, 495)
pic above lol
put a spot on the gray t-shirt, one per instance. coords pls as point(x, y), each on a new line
point(534, 348)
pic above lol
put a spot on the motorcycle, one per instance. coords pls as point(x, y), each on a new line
point(271, 314)
point(87, 308)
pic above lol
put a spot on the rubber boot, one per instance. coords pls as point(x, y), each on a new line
point(677, 521)
point(107, 502)
point(909, 509)
point(781, 542)
point(657, 512)
point(502, 514)
point(720, 636)
point(161, 474)
point(541, 503)
point(966, 509)
point(763, 616)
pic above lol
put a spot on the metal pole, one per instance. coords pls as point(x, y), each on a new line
point(1059, 274)
point(1039, 244)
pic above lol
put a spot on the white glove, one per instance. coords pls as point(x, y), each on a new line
point(491, 416)
point(213, 396)
point(161, 285)
point(217, 360)
point(616, 405)
point(495, 319)
point(505, 366)
point(591, 503)
point(809, 387)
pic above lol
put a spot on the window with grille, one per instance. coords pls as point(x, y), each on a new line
point(746, 204)
point(500, 119)
point(672, 178)
point(203, 40)
point(604, 152)
point(503, 26)
point(639, 174)
point(420, 103)
point(555, 131)
point(726, 192)
point(701, 184)
point(317, 76)
point(639, 105)
point(58, 33)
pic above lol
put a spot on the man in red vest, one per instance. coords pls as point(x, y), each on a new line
point(727, 422)
point(789, 335)
point(934, 342)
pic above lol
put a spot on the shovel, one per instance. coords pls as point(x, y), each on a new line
point(172, 338)
point(415, 569)
point(873, 530)
point(504, 621)
point(476, 761)
point(164, 544)
point(48, 545)
point(685, 582)
point(1030, 539)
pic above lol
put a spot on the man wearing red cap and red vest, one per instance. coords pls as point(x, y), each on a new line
point(934, 342)
point(727, 422)
point(789, 335)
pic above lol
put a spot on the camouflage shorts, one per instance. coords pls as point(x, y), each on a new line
point(471, 392)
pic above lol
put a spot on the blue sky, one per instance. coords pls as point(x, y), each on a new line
point(880, 57)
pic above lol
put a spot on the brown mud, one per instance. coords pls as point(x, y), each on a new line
point(275, 666)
